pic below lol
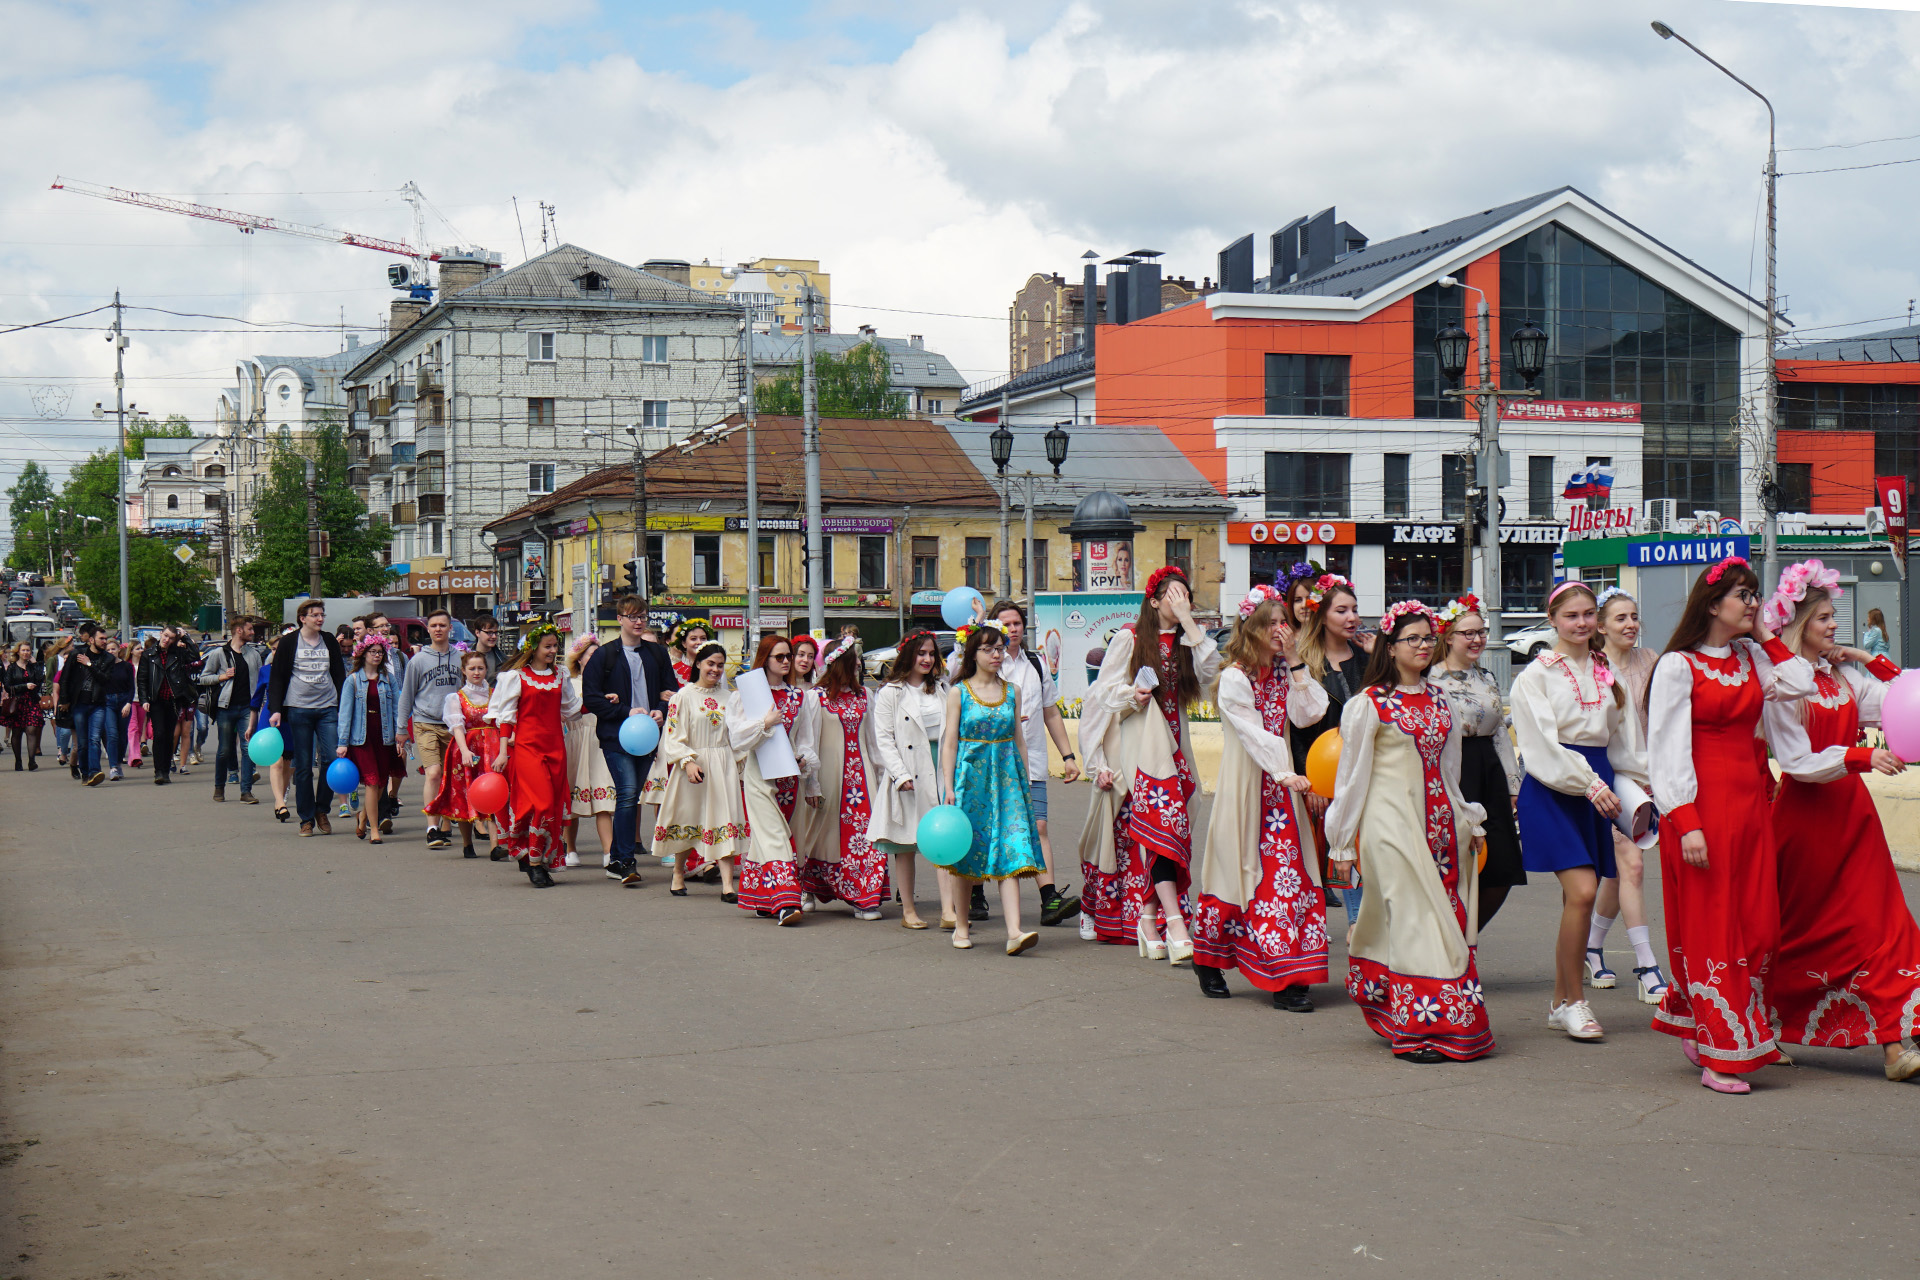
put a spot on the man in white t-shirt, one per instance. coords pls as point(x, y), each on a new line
point(1039, 718)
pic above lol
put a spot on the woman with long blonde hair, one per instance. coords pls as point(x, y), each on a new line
point(1489, 770)
point(1334, 647)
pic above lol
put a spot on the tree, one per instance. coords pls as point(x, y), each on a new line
point(93, 486)
point(159, 587)
point(856, 385)
point(29, 524)
point(353, 561)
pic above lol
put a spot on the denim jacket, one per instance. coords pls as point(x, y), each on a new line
point(353, 709)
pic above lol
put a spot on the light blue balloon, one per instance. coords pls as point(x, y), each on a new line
point(639, 735)
point(956, 610)
point(265, 746)
point(945, 835)
point(343, 775)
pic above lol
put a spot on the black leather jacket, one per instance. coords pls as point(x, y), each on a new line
point(172, 667)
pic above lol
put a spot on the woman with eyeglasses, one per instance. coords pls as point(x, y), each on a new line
point(1489, 771)
point(769, 883)
point(1722, 666)
point(1397, 809)
point(1577, 733)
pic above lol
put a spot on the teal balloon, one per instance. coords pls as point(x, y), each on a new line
point(945, 835)
point(265, 746)
point(343, 775)
point(956, 610)
point(639, 735)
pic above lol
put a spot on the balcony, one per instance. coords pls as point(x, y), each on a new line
point(431, 439)
point(433, 504)
point(405, 513)
point(383, 406)
point(428, 383)
point(403, 454)
point(358, 478)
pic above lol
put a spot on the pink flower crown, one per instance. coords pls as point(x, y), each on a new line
point(841, 646)
point(1713, 574)
point(1796, 581)
point(369, 640)
point(1323, 584)
point(1260, 594)
point(1395, 612)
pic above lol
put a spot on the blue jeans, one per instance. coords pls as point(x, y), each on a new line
point(233, 736)
point(311, 734)
point(1350, 899)
point(91, 725)
point(629, 775)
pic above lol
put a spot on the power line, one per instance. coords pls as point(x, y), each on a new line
point(1800, 173)
point(1848, 146)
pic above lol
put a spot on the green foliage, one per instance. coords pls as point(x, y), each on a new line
point(856, 385)
point(159, 587)
point(29, 525)
point(353, 565)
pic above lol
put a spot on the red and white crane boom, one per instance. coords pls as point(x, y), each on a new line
point(246, 222)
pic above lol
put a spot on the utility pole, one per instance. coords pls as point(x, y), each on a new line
point(810, 390)
point(640, 539)
point(313, 534)
point(119, 340)
point(753, 489)
point(1032, 576)
point(1006, 568)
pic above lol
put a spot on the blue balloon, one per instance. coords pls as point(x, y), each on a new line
point(945, 835)
point(343, 775)
point(265, 746)
point(956, 610)
point(639, 736)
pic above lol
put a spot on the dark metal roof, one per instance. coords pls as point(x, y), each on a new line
point(1071, 367)
point(555, 276)
point(1380, 264)
point(1888, 346)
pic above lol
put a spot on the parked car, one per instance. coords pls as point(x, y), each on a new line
point(1532, 641)
point(876, 661)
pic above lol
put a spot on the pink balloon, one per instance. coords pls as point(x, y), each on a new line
point(1900, 716)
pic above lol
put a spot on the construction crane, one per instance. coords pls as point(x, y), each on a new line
point(249, 223)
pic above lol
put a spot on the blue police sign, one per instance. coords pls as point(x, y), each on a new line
point(1652, 555)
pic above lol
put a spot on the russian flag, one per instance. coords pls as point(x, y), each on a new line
point(1595, 481)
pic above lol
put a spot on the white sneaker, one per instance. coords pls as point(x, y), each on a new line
point(573, 859)
point(1576, 1019)
point(808, 902)
point(1086, 928)
point(866, 915)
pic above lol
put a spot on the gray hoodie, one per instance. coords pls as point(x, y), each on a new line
point(428, 679)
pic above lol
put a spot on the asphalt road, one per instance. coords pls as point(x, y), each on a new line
point(230, 1052)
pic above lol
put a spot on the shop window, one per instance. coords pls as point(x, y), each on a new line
point(873, 562)
point(979, 564)
point(706, 559)
point(1424, 575)
point(1453, 486)
point(1311, 386)
point(1540, 491)
point(1308, 485)
point(1180, 555)
point(926, 564)
point(1395, 482)
point(1266, 564)
point(1525, 577)
point(1796, 486)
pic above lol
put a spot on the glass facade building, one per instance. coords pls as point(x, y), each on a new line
point(1615, 335)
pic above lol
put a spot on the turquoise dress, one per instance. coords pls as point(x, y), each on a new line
point(990, 778)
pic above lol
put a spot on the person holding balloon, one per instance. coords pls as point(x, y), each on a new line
point(1722, 665)
point(530, 699)
point(702, 816)
point(1260, 909)
point(1398, 810)
point(475, 742)
point(769, 883)
point(625, 682)
point(1577, 734)
point(909, 716)
point(983, 773)
point(1847, 973)
point(839, 861)
point(369, 709)
point(1335, 648)
point(1489, 771)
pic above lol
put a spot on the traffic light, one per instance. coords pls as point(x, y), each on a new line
point(631, 584)
point(1477, 508)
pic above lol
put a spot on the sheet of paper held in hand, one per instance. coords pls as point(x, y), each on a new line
point(1145, 680)
point(775, 753)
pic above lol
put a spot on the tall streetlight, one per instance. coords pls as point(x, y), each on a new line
point(1000, 444)
point(1770, 381)
point(1529, 350)
point(810, 409)
point(749, 402)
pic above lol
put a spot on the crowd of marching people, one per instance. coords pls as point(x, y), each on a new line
point(1376, 770)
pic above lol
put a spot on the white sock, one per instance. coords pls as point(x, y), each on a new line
point(1597, 931)
point(1642, 946)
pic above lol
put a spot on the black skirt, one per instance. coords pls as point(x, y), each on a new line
point(1484, 782)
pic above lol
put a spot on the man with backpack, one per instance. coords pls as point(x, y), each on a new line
point(227, 680)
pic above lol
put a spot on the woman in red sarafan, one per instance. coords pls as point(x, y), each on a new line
point(1848, 970)
point(530, 698)
point(1260, 908)
point(475, 744)
point(838, 859)
point(1722, 665)
point(1136, 850)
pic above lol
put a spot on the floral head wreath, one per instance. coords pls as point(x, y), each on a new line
point(805, 637)
point(914, 637)
point(1301, 571)
point(579, 646)
point(368, 641)
point(1713, 574)
point(1403, 609)
point(965, 633)
point(531, 641)
point(1796, 581)
point(1458, 608)
point(679, 635)
point(1160, 576)
point(1260, 594)
point(840, 646)
point(1323, 584)
point(1612, 593)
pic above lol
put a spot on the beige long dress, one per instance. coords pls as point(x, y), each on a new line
point(587, 768)
point(708, 818)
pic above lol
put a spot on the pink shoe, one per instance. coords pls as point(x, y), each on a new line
point(1723, 1086)
point(1692, 1051)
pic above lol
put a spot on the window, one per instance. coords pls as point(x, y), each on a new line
point(1307, 485)
point(653, 348)
point(899, 369)
point(706, 559)
point(826, 562)
point(1892, 413)
point(926, 564)
point(1315, 386)
point(173, 502)
point(212, 501)
point(1540, 491)
point(979, 564)
point(1267, 563)
point(540, 411)
point(1424, 575)
point(1039, 559)
point(540, 346)
point(1434, 309)
point(933, 370)
point(1453, 486)
point(1394, 485)
point(934, 406)
point(1180, 555)
point(436, 533)
point(768, 565)
point(873, 562)
point(653, 414)
point(1525, 577)
point(1796, 486)
point(540, 477)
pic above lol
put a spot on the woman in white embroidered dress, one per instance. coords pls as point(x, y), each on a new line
point(1397, 808)
point(836, 858)
point(1576, 732)
point(769, 881)
point(702, 816)
point(909, 713)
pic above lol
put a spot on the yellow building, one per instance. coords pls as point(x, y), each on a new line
point(780, 295)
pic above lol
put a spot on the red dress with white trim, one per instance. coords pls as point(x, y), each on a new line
point(1723, 920)
point(1848, 969)
point(528, 707)
point(451, 801)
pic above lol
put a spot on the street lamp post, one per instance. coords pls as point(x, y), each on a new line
point(1000, 444)
point(810, 409)
point(1770, 381)
point(1450, 346)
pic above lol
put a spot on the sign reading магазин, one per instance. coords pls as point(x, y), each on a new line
point(1683, 551)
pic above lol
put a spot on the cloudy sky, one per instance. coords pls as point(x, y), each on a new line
point(932, 155)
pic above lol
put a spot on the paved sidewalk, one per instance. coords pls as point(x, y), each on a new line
point(230, 1052)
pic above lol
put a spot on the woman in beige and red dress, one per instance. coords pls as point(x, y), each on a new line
point(838, 861)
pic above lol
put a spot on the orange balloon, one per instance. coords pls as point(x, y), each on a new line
point(1323, 761)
